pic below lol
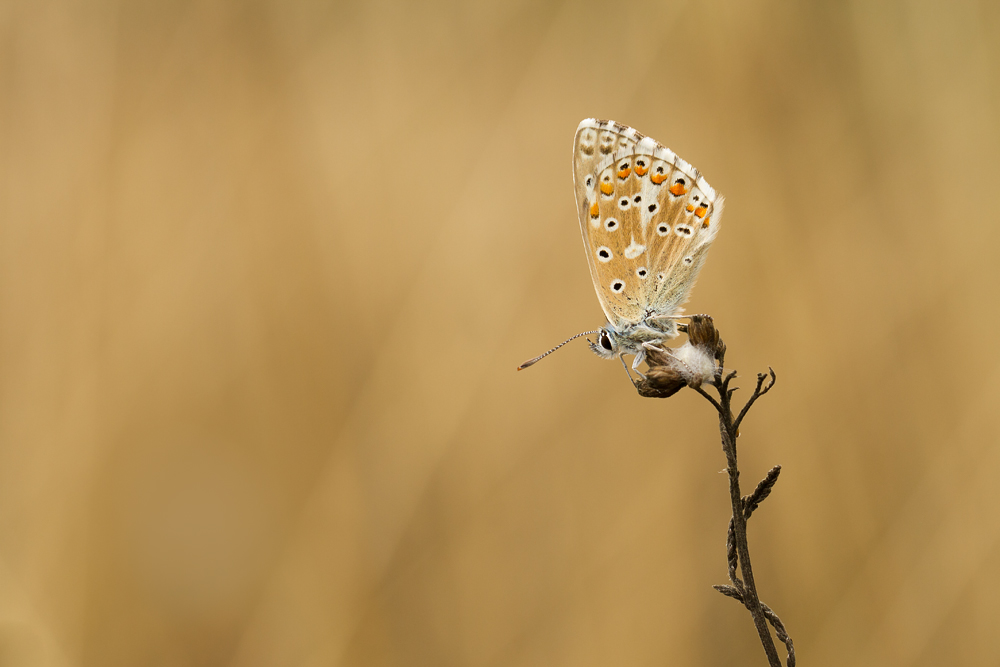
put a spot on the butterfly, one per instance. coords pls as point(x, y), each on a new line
point(648, 219)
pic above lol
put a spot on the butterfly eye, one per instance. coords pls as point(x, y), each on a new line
point(605, 341)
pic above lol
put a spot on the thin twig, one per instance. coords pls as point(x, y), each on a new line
point(709, 397)
point(736, 542)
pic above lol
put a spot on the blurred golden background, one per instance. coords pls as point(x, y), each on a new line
point(268, 268)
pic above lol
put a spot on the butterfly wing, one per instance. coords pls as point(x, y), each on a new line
point(647, 219)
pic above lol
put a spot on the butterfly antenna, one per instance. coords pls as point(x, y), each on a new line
point(529, 362)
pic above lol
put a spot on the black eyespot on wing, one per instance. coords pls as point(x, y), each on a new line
point(637, 199)
point(652, 208)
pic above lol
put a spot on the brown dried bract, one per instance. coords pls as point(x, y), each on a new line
point(702, 333)
point(661, 381)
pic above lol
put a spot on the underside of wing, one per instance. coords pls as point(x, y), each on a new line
point(647, 219)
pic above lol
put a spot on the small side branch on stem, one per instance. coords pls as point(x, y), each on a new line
point(779, 627)
point(762, 491)
point(757, 393)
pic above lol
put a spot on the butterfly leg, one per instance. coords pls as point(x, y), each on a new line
point(621, 357)
point(678, 317)
point(681, 326)
point(639, 358)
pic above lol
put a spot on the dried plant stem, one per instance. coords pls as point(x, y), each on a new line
point(738, 550)
point(669, 371)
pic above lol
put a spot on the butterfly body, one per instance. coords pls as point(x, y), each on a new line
point(648, 219)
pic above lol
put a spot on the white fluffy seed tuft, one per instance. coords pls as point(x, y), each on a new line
point(697, 364)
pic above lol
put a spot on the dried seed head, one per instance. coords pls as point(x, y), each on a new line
point(692, 364)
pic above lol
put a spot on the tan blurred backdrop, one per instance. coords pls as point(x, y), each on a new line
point(266, 269)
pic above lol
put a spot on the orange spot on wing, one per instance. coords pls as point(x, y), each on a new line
point(607, 188)
point(641, 171)
point(678, 189)
point(623, 174)
point(690, 208)
point(594, 210)
point(705, 224)
point(701, 211)
point(658, 178)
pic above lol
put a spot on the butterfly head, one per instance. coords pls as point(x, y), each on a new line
point(606, 346)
